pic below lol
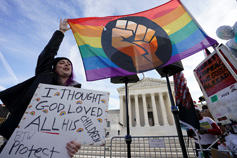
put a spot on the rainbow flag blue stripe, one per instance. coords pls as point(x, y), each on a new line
point(184, 34)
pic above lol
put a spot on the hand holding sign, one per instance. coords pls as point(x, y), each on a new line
point(56, 115)
point(137, 41)
point(73, 147)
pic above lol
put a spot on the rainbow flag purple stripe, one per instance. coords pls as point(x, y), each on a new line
point(184, 34)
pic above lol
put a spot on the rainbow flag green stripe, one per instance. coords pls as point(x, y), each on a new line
point(183, 33)
point(185, 36)
point(88, 51)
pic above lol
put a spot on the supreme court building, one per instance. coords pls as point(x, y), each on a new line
point(149, 110)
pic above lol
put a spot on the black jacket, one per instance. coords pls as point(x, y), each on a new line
point(18, 97)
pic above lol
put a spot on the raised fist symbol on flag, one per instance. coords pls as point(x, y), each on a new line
point(136, 40)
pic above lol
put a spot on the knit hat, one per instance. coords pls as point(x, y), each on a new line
point(56, 60)
point(204, 107)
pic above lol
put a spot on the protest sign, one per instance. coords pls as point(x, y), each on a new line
point(59, 114)
point(34, 144)
point(80, 113)
point(216, 76)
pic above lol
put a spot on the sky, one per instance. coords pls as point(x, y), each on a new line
point(27, 26)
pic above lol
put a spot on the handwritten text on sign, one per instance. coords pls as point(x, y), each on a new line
point(214, 75)
point(34, 144)
point(79, 113)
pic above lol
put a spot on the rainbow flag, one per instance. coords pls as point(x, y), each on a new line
point(129, 44)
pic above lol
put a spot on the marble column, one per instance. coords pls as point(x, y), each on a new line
point(168, 106)
point(154, 109)
point(163, 109)
point(138, 123)
point(145, 110)
point(122, 111)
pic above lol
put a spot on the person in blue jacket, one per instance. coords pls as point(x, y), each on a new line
point(49, 70)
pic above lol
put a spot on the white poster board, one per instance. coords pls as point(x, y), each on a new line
point(59, 114)
point(32, 144)
point(216, 76)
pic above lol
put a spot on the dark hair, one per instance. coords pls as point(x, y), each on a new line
point(71, 77)
point(204, 107)
point(56, 60)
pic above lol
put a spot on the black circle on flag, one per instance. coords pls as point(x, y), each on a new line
point(136, 44)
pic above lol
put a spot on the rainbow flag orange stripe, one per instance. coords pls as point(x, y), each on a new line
point(184, 34)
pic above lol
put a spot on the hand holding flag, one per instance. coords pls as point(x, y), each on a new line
point(63, 26)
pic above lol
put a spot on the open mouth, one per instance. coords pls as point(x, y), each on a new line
point(66, 69)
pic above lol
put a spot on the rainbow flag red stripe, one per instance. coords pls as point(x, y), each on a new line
point(185, 36)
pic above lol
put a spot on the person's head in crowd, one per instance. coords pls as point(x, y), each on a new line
point(64, 69)
point(198, 112)
point(205, 111)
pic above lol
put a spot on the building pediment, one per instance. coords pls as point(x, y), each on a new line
point(146, 83)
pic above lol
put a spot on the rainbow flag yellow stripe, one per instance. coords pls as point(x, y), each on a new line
point(185, 36)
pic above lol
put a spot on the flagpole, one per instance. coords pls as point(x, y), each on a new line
point(192, 17)
point(128, 138)
point(195, 21)
point(167, 71)
point(126, 80)
point(175, 111)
